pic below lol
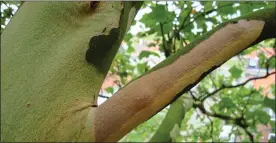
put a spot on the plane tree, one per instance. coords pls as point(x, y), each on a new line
point(55, 56)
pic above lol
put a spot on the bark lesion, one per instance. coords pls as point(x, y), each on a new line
point(99, 46)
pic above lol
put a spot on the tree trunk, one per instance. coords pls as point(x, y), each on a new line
point(48, 87)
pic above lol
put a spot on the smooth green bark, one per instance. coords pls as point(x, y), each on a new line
point(47, 86)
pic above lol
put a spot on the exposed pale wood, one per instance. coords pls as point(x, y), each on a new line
point(139, 100)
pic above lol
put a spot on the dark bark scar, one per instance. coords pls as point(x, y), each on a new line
point(93, 4)
point(100, 45)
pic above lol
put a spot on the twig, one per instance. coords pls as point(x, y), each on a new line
point(203, 110)
point(103, 96)
point(239, 121)
point(251, 137)
point(234, 86)
point(167, 53)
point(212, 126)
point(193, 96)
point(7, 6)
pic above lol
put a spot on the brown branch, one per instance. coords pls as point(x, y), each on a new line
point(220, 116)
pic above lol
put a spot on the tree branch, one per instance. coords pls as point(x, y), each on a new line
point(241, 84)
point(240, 121)
point(250, 135)
point(167, 53)
point(149, 94)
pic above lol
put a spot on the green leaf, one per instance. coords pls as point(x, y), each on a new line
point(262, 60)
point(223, 3)
point(167, 27)
point(226, 103)
point(109, 90)
point(185, 14)
point(270, 103)
point(235, 72)
point(263, 117)
point(130, 49)
point(146, 54)
point(245, 8)
point(148, 20)
point(127, 37)
point(272, 63)
point(160, 13)
point(135, 137)
point(141, 67)
point(208, 6)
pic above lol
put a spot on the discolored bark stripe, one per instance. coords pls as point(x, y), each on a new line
point(159, 87)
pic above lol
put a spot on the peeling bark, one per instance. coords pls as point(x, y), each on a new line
point(131, 106)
